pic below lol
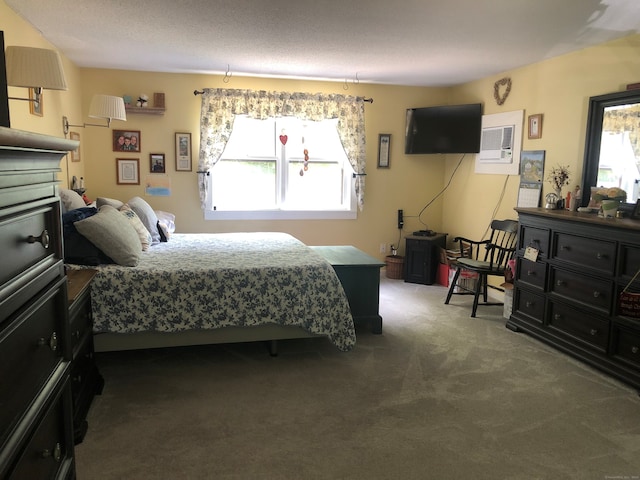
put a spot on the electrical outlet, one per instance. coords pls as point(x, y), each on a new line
point(400, 219)
point(383, 248)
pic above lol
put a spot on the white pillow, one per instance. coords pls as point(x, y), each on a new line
point(141, 230)
point(147, 216)
point(117, 204)
point(71, 200)
point(112, 233)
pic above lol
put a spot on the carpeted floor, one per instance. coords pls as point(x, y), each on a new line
point(439, 395)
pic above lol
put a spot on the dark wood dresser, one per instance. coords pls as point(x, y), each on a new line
point(567, 287)
point(36, 429)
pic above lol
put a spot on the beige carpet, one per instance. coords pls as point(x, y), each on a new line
point(439, 395)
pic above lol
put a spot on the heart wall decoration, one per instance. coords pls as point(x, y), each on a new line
point(500, 98)
point(283, 139)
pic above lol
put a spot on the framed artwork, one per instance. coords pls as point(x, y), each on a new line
point(384, 142)
point(128, 171)
point(535, 126)
point(156, 163)
point(183, 152)
point(35, 102)
point(126, 140)
point(75, 154)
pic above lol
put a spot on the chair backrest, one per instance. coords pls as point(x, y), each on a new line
point(504, 235)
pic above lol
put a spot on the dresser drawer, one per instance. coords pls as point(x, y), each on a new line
point(531, 273)
point(80, 322)
point(594, 292)
point(537, 238)
point(590, 253)
point(49, 452)
point(29, 241)
point(586, 328)
point(626, 345)
point(529, 305)
point(32, 345)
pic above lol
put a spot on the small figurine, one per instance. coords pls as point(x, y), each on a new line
point(143, 100)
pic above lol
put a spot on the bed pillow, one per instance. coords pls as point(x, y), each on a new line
point(136, 223)
point(166, 224)
point(117, 204)
point(77, 249)
point(71, 200)
point(112, 233)
point(147, 216)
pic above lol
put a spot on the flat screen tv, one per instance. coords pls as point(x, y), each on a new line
point(444, 129)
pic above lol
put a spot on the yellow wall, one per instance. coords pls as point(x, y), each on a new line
point(558, 88)
point(55, 103)
point(408, 184)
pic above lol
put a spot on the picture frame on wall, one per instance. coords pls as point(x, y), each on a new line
point(384, 145)
point(183, 152)
point(156, 163)
point(128, 171)
point(126, 141)
point(35, 102)
point(75, 154)
point(535, 126)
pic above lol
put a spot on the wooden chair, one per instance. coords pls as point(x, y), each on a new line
point(484, 258)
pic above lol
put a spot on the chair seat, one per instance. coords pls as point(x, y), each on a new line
point(477, 265)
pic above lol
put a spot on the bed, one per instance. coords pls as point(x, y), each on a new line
point(219, 288)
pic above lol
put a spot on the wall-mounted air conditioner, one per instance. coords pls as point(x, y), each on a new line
point(496, 145)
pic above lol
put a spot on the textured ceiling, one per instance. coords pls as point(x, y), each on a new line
point(406, 42)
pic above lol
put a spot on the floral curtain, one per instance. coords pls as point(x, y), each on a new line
point(220, 106)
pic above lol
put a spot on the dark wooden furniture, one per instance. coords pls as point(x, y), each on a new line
point(36, 427)
point(421, 258)
point(566, 290)
point(359, 275)
point(86, 381)
point(485, 258)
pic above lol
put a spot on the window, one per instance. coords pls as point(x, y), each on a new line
point(263, 172)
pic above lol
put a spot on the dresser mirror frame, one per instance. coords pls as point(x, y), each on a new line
point(592, 154)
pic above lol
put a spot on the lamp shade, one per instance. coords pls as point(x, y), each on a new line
point(34, 68)
point(107, 106)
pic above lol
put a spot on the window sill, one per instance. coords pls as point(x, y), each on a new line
point(280, 215)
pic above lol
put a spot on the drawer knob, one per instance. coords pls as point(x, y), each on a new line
point(557, 316)
point(593, 332)
point(600, 256)
point(529, 304)
point(559, 283)
point(43, 239)
point(52, 342)
point(530, 272)
point(596, 294)
point(635, 349)
point(56, 454)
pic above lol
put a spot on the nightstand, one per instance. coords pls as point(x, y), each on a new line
point(86, 381)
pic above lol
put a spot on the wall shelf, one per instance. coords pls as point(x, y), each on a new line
point(144, 110)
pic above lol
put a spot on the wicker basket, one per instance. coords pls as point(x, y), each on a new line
point(395, 267)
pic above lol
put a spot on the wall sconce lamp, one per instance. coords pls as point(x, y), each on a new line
point(107, 107)
point(35, 68)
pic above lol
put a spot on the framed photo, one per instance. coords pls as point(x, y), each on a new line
point(384, 143)
point(75, 155)
point(535, 126)
point(183, 152)
point(636, 211)
point(35, 102)
point(156, 163)
point(128, 171)
point(126, 140)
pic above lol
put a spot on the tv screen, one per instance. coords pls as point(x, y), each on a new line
point(444, 129)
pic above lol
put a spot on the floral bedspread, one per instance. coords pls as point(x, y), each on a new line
point(208, 281)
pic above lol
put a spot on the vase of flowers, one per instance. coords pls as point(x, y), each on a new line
point(558, 177)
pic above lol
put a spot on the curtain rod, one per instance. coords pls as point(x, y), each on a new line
point(200, 92)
